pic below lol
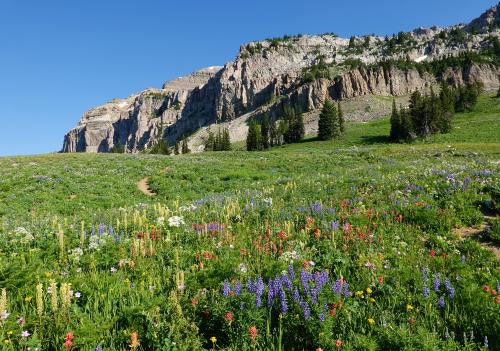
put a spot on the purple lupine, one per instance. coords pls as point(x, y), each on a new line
point(259, 289)
point(346, 290)
point(423, 270)
point(449, 288)
point(305, 308)
point(304, 279)
point(284, 304)
point(270, 292)
point(102, 229)
point(337, 287)
point(237, 288)
point(462, 259)
point(426, 292)
point(250, 286)
point(441, 303)
point(498, 287)
point(437, 282)
point(291, 272)
point(296, 295)
point(226, 290)
point(285, 280)
point(486, 344)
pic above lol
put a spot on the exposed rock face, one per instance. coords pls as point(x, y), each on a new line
point(266, 75)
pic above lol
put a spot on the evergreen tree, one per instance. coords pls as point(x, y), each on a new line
point(264, 129)
point(210, 142)
point(447, 97)
point(340, 114)
point(253, 137)
point(226, 140)
point(327, 121)
point(406, 130)
point(185, 147)
point(396, 133)
point(282, 130)
point(176, 148)
point(296, 130)
point(435, 112)
point(118, 148)
point(288, 118)
point(273, 134)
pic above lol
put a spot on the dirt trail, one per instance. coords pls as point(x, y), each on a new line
point(476, 233)
point(143, 186)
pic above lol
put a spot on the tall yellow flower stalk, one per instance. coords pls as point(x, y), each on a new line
point(82, 234)
point(61, 243)
point(39, 300)
point(3, 301)
point(65, 291)
point(53, 298)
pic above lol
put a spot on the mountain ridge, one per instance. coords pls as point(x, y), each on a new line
point(303, 70)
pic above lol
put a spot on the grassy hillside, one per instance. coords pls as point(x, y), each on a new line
point(356, 244)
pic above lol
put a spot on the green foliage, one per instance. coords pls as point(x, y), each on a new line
point(430, 114)
point(372, 215)
point(316, 71)
point(295, 124)
point(219, 142)
point(328, 124)
point(185, 147)
point(118, 148)
point(254, 142)
point(265, 132)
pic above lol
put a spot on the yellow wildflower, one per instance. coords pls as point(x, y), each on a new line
point(28, 298)
point(371, 321)
point(359, 294)
point(10, 332)
point(372, 300)
point(409, 307)
point(368, 291)
point(213, 339)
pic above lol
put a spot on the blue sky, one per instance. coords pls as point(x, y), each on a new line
point(59, 58)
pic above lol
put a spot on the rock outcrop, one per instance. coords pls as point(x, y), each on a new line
point(266, 75)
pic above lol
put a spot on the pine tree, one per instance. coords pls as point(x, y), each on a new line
point(176, 148)
point(299, 128)
point(282, 130)
point(340, 114)
point(327, 119)
point(447, 97)
point(253, 137)
point(273, 134)
point(226, 140)
point(264, 129)
point(407, 129)
point(185, 147)
point(288, 118)
point(395, 122)
point(210, 142)
point(435, 112)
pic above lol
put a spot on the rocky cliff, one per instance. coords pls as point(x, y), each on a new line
point(302, 70)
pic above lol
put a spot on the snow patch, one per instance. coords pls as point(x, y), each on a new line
point(421, 58)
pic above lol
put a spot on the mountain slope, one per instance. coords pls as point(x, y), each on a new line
point(300, 70)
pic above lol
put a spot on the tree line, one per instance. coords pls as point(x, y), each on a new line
point(267, 133)
point(218, 142)
point(432, 113)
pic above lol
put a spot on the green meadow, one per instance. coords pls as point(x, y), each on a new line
point(353, 244)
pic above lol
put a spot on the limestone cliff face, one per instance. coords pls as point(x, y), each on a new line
point(265, 75)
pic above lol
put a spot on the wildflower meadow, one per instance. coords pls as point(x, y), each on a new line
point(354, 244)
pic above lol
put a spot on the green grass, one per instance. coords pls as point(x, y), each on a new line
point(396, 205)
